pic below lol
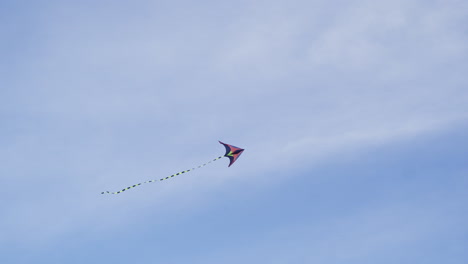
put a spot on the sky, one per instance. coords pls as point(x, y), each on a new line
point(353, 116)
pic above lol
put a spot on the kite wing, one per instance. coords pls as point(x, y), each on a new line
point(232, 152)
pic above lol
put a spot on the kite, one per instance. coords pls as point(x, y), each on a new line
point(232, 153)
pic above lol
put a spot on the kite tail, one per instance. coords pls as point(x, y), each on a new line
point(162, 179)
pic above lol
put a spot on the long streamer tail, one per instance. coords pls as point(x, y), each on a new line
point(162, 179)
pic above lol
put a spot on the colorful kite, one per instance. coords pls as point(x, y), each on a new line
point(232, 153)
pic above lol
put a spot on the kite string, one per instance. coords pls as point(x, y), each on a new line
point(162, 179)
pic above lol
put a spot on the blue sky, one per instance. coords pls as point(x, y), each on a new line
point(353, 116)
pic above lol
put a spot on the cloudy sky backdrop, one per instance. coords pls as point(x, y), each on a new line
point(353, 114)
